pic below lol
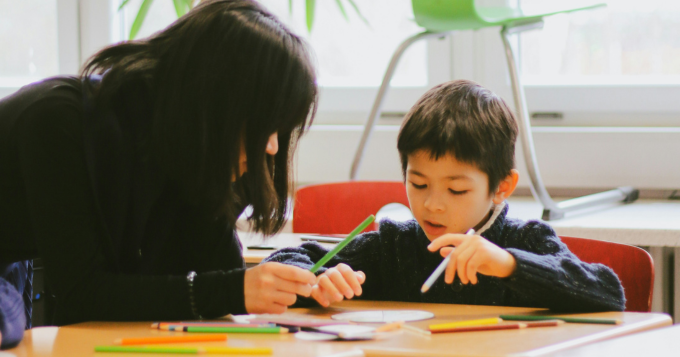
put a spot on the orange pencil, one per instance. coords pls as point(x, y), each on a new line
point(169, 339)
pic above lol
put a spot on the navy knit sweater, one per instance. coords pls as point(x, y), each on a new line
point(397, 263)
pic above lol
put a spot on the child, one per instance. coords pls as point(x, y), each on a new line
point(457, 152)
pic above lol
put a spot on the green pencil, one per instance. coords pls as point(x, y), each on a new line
point(187, 350)
point(577, 320)
point(342, 244)
point(233, 329)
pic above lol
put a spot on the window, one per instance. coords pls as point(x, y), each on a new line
point(628, 42)
point(32, 55)
point(351, 56)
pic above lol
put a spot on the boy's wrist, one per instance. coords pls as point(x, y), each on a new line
point(509, 265)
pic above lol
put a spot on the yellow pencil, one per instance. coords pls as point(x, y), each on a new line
point(449, 325)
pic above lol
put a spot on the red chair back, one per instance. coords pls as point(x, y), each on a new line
point(633, 265)
point(337, 208)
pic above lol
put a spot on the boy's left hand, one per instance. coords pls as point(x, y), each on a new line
point(473, 255)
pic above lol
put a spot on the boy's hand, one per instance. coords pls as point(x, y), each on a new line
point(337, 283)
point(473, 255)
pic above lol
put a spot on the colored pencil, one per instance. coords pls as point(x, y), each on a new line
point(456, 324)
point(416, 330)
point(440, 269)
point(187, 350)
point(390, 327)
point(514, 326)
point(169, 339)
point(233, 329)
point(342, 244)
point(577, 320)
point(169, 325)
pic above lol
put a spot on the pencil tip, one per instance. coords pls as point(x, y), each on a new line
point(424, 289)
point(118, 341)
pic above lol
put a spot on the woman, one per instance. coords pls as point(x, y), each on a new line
point(128, 180)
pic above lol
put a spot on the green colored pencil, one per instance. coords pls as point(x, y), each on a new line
point(342, 244)
point(187, 350)
point(577, 320)
point(233, 329)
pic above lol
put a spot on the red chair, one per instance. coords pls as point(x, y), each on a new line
point(337, 208)
point(633, 265)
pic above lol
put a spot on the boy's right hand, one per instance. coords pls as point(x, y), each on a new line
point(272, 287)
point(337, 283)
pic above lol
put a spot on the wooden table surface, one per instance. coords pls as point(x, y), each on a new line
point(80, 339)
point(281, 240)
point(664, 342)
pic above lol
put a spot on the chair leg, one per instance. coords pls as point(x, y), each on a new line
point(551, 209)
point(376, 110)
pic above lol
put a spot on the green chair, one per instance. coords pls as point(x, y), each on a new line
point(443, 17)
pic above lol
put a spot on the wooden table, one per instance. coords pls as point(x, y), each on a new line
point(281, 240)
point(664, 342)
point(80, 339)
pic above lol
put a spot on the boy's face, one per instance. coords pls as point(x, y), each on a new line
point(446, 195)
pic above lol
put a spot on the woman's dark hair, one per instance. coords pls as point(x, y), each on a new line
point(465, 120)
point(226, 74)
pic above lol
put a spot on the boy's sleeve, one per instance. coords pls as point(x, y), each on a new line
point(12, 317)
point(549, 275)
point(361, 254)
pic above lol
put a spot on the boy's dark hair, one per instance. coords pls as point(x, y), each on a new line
point(465, 120)
point(226, 73)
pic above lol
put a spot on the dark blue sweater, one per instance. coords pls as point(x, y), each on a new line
point(397, 263)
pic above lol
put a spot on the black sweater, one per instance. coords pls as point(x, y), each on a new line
point(116, 240)
point(396, 262)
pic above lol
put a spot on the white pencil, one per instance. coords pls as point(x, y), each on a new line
point(440, 269)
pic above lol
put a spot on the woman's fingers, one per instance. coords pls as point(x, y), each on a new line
point(288, 286)
point(292, 273)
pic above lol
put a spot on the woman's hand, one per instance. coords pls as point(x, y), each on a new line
point(337, 283)
point(473, 255)
point(271, 287)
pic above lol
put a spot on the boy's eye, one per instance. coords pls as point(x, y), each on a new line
point(457, 192)
point(418, 187)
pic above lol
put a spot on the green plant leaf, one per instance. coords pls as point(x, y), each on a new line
point(139, 20)
point(309, 9)
point(342, 9)
point(122, 5)
point(356, 8)
point(181, 7)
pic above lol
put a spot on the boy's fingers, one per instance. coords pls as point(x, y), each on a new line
point(461, 264)
point(329, 290)
point(339, 281)
point(446, 240)
point(445, 251)
point(350, 277)
point(450, 270)
point(361, 276)
point(289, 272)
point(319, 296)
point(472, 266)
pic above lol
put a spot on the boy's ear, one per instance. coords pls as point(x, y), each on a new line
point(506, 187)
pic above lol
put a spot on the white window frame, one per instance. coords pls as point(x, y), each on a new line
point(83, 27)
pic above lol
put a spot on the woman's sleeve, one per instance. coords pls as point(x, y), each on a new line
point(71, 242)
point(549, 275)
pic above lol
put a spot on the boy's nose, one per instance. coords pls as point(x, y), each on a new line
point(434, 203)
